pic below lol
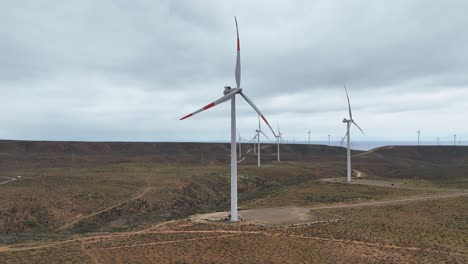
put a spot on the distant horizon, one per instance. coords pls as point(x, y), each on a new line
point(363, 145)
point(227, 141)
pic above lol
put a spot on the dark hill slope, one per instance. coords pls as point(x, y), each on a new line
point(62, 153)
point(433, 154)
point(420, 162)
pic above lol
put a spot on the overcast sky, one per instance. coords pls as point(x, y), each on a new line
point(128, 70)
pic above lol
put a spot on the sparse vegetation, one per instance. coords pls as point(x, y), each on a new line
point(111, 207)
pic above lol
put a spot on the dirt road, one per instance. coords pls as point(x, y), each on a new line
point(389, 202)
point(205, 235)
point(281, 216)
point(8, 180)
point(79, 219)
point(241, 160)
point(392, 183)
point(372, 150)
point(287, 215)
point(292, 215)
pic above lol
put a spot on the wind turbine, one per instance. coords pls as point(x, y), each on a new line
point(329, 138)
point(348, 135)
point(230, 94)
point(419, 133)
point(240, 144)
point(278, 138)
point(309, 137)
point(259, 131)
point(253, 141)
point(455, 139)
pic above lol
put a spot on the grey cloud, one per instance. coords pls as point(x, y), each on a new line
point(153, 61)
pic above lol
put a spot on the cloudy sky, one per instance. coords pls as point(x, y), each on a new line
point(128, 70)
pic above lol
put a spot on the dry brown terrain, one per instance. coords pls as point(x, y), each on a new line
point(81, 202)
point(362, 235)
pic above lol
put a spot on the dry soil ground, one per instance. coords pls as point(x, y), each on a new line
point(361, 234)
point(408, 205)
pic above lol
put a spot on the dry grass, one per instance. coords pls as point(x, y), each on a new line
point(429, 231)
point(314, 193)
point(132, 196)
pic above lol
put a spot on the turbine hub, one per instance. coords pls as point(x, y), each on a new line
point(229, 89)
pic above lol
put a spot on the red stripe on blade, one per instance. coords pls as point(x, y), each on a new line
point(208, 106)
point(187, 116)
point(238, 44)
point(264, 119)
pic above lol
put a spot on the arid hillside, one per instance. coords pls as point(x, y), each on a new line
point(133, 202)
point(78, 187)
point(56, 153)
point(443, 166)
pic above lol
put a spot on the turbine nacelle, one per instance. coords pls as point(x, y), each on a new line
point(228, 90)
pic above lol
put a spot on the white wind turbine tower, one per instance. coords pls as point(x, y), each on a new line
point(329, 138)
point(253, 141)
point(455, 139)
point(240, 144)
point(419, 133)
point(278, 138)
point(348, 135)
point(258, 132)
point(230, 94)
point(309, 137)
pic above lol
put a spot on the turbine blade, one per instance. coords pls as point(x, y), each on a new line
point(238, 133)
point(349, 104)
point(238, 63)
point(346, 135)
point(208, 106)
point(265, 135)
point(257, 110)
point(358, 127)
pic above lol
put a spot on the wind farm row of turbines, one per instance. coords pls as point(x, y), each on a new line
point(366, 145)
point(348, 121)
point(256, 142)
point(229, 94)
point(455, 142)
